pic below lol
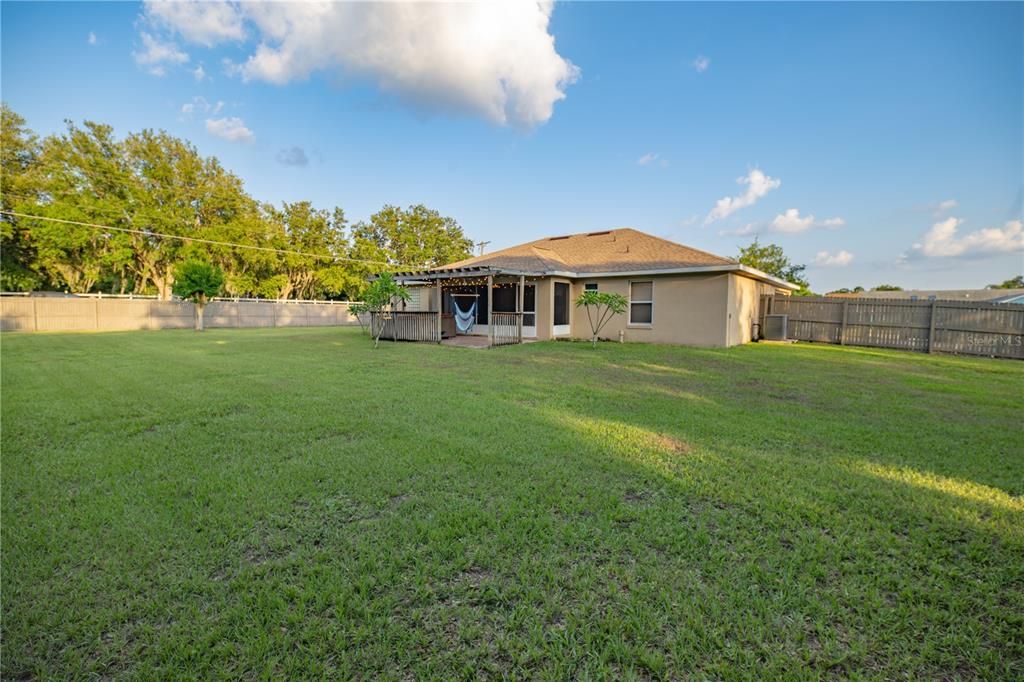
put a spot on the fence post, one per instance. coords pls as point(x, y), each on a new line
point(35, 315)
point(96, 313)
point(842, 327)
point(931, 327)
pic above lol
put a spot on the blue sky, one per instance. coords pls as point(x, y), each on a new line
point(876, 142)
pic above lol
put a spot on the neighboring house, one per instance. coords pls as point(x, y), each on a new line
point(980, 295)
point(676, 294)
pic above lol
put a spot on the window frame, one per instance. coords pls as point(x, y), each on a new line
point(590, 286)
point(629, 319)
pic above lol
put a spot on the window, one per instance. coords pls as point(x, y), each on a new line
point(590, 286)
point(641, 302)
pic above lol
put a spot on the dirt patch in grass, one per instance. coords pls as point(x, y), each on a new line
point(672, 444)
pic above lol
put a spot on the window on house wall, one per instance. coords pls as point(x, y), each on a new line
point(590, 286)
point(641, 302)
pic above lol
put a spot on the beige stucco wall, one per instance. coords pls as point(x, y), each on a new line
point(545, 304)
point(745, 306)
point(688, 309)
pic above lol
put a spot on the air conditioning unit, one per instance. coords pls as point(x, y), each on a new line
point(776, 327)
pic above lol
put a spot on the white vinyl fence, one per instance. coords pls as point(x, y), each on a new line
point(123, 313)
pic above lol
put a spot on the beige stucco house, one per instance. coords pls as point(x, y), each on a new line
point(676, 294)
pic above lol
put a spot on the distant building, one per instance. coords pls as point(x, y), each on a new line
point(982, 295)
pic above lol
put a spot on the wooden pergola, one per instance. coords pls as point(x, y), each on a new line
point(502, 328)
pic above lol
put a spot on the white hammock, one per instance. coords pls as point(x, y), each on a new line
point(464, 320)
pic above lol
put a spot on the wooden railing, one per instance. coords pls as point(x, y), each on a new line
point(407, 325)
point(506, 328)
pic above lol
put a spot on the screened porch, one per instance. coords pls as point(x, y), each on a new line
point(496, 307)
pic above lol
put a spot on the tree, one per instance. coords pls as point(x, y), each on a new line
point(605, 305)
point(19, 155)
point(1013, 283)
point(887, 287)
point(772, 260)
point(357, 309)
point(197, 281)
point(380, 297)
point(416, 237)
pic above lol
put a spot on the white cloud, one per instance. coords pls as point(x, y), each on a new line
point(942, 240)
point(199, 105)
point(647, 159)
point(92, 39)
point(791, 222)
point(944, 206)
point(758, 184)
point(156, 55)
point(837, 260)
point(199, 73)
point(205, 23)
point(701, 63)
point(231, 129)
point(494, 59)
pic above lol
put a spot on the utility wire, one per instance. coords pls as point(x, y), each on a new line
point(214, 242)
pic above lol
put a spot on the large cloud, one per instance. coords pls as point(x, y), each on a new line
point(942, 240)
point(495, 59)
point(205, 23)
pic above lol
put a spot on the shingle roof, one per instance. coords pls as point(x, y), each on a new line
point(622, 250)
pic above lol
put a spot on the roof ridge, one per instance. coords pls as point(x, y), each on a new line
point(677, 244)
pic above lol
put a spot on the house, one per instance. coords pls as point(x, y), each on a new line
point(676, 294)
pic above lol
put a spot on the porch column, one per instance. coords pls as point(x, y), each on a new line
point(490, 310)
point(440, 326)
point(522, 304)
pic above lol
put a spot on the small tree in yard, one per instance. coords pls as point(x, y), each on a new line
point(605, 306)
point(357, 309)
point(381, 296)
point(197, 281)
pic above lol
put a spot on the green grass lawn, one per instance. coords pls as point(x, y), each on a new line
point(286, 503)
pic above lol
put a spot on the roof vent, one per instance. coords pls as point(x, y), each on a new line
point(554, 239)
point(598, 234)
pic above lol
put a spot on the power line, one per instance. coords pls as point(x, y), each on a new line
point(214, 242)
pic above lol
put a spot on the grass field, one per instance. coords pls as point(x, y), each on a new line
point(286, 503)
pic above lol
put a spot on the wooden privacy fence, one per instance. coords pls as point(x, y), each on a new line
point(969, 327)
point(407, 325)
point(507, 328)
